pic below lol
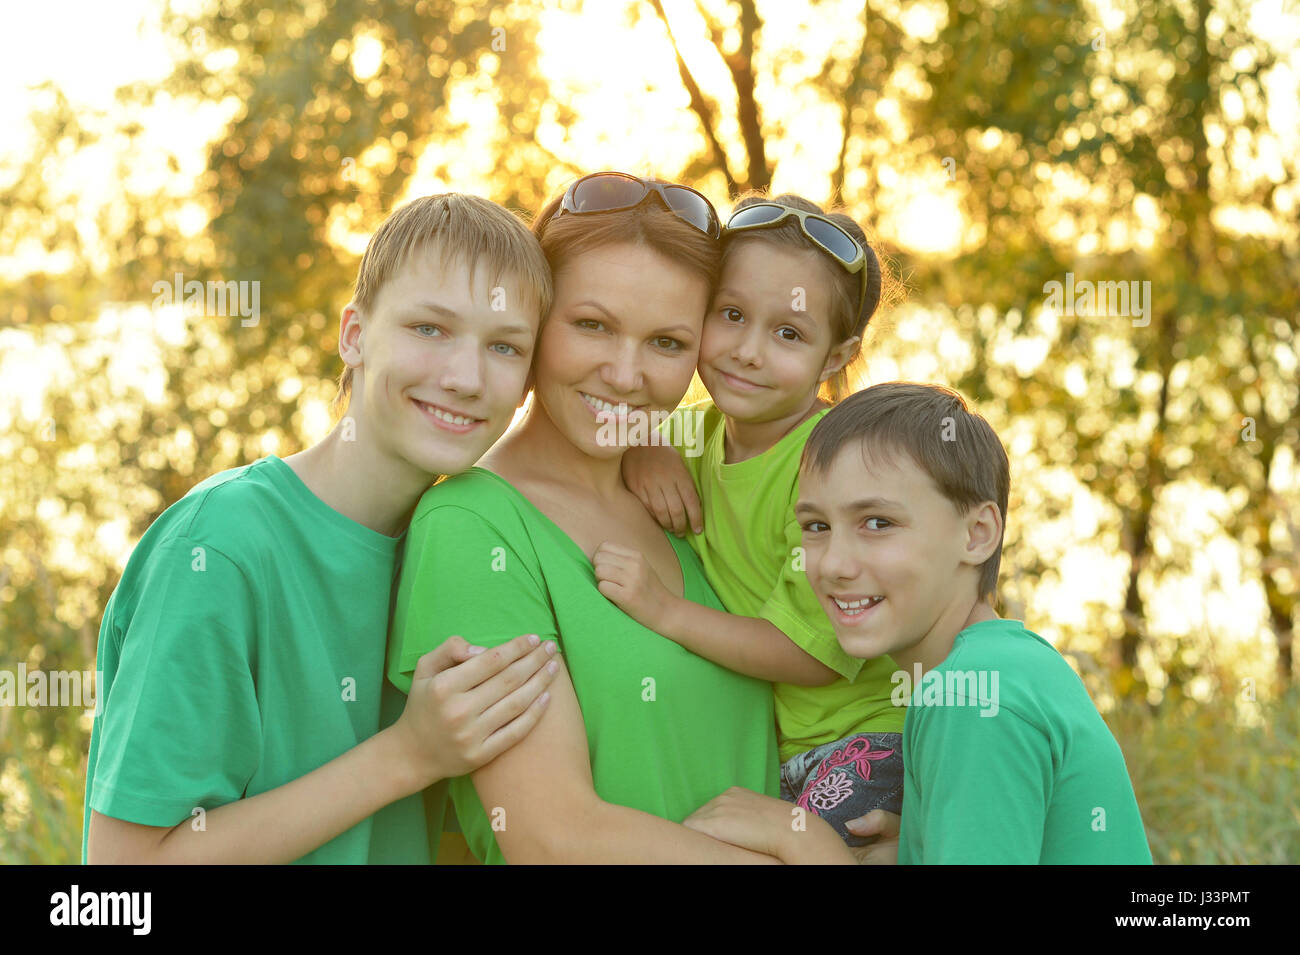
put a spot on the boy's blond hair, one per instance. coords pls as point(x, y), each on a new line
point(458, 226)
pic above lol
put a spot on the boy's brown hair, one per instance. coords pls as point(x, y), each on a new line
point(931, 424)
point(456, 226)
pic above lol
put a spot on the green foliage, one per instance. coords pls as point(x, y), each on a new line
point(1117, 159)
point(1212, 790)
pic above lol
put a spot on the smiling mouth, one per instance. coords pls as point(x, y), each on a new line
point(742, 384)
point(454, 420)
point(856, 607)
point(600, 406)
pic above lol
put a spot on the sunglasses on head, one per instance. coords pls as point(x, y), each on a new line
point(614, 191)
point(824, 234)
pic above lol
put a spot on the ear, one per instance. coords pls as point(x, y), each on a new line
point(350, 333)
point(839, 356)
point(983, 533)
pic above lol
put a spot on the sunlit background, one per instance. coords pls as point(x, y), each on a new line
point(991, 148)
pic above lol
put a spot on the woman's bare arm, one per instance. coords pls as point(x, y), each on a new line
point(552, 813)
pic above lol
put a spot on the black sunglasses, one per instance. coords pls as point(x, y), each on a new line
point(613, 191)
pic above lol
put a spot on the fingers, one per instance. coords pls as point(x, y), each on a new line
point(611, 590)
point(458, 677)
point(487, 694)
point(614, 563)
point(676, 511)
point(867, 825)
point(511, 719)
point(454, 650)
point(659, 508)
point(691, 499)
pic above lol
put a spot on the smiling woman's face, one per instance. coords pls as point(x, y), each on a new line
point(622, 338)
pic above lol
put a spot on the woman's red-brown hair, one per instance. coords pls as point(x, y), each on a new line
point(651, 224)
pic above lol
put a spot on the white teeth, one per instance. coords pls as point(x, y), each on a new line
point(447, 415)
point(854, 607)
point(601, 405)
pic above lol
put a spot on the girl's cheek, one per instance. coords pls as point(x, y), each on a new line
point(712, 338)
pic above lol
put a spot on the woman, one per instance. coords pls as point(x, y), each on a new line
point(639, 732)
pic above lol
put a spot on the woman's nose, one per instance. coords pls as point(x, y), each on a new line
point(623, 370)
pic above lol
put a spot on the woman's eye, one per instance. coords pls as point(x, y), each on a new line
point(668, 344)
point(506, 348)
point(589, 323)
point(731, 314)
point(815, 527)
point(788, 334)
point(879, 522)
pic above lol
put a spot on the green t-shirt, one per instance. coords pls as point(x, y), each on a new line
point(242, 649)
point(748, 549)
point(1013, 764)
point(666, 730)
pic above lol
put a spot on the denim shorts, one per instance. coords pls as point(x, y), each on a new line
point(846, 779)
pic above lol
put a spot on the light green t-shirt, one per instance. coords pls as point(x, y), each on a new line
point(242, 649)
point(666, 730)
point(748, 549)
point(1006, 760)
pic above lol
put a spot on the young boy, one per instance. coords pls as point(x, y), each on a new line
point(242, 717)
point(903, 498)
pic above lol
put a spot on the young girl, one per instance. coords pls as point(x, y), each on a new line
point(796, 291)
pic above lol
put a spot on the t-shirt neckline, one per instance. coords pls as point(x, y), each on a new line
point(570, 542)
point(737, 468)
point(291, 483)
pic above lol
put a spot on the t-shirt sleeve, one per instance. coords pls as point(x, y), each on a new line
point(180, 727)
point(463, 576)
point(985, 784)
point(793, 609)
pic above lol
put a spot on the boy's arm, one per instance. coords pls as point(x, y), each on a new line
point(464, 709)
point(747, 645)
point(983, 784)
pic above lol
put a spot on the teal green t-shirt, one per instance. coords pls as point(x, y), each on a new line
point(1006, 760)
point(242, 649)
point(666, 730)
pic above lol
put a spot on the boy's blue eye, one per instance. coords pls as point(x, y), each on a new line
point(511, 349)
point(420, 329)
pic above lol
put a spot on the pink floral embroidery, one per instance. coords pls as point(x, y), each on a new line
point(828, 793)
point(830, 789)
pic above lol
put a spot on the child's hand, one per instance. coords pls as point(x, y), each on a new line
point(468, 705)
point(658, 477)
point(625, 577)
point(878, 822)
point(771, 826)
